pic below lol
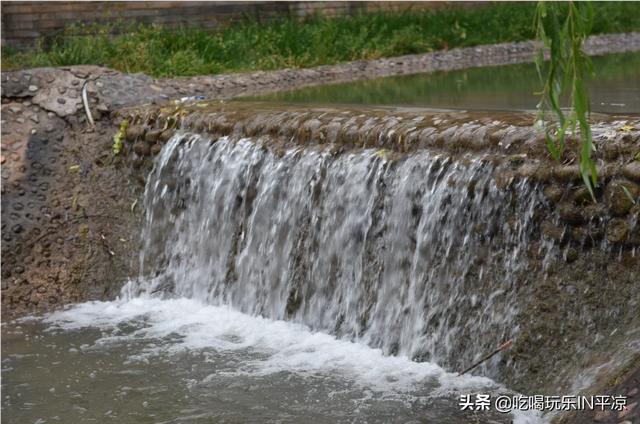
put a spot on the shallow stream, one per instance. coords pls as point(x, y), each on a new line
point(181, 361)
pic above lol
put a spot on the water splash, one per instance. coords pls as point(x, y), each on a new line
point(415, 255)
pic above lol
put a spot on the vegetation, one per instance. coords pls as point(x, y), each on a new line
point(119, 136)
point(563, 27)
point(250, 45)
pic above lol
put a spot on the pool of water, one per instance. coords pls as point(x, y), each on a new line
point(148, 361)
point(614, 88)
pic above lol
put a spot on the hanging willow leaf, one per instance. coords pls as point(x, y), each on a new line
point(563, 27)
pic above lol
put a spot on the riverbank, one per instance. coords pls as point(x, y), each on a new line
point(288, 43)
point(114, 89)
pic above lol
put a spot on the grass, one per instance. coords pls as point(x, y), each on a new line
point(287, 43)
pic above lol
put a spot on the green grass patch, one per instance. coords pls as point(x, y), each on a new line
point(288, 43)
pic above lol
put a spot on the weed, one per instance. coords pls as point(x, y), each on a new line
point(288, 43)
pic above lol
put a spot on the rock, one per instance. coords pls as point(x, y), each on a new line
point(607, 171)
point(152, 136)
point(528, 170)
point(155, 149)
point(617, 230)
point(582, 196)
point(553, 193)
point(570, 213)
point(632, 170)
point(610, 151)
point(166, 135)
point(504, 180)
point(33, 88)
point(567, 173)
point(579, 234)
point(134, 133)
point(543, 173)
point(80, 74)
point(571, 255)
point(142, 149)
point(61, 100)
point(518, 160)
point(551, 231)
point(620, 196)
point(594, 211)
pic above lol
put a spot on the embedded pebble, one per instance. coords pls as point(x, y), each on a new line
point(621, 196)
point(617, 230)
point(570, 213)
point(632, 170)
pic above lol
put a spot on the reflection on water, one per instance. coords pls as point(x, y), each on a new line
point(148, 361)
point(614, 88)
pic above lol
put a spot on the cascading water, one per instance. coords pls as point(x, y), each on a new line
point(416, 255)
point(306, 286)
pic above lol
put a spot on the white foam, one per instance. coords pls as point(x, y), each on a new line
point(282, 346)
point(288, 346)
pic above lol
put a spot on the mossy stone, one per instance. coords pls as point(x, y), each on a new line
point(620, 196)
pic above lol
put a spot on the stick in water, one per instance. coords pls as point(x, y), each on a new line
point(502, 347)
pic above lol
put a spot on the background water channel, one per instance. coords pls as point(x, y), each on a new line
point(614, 87)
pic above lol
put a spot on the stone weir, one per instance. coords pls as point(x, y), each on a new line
point(530, 255)
point(507, 139)
point(571, 301)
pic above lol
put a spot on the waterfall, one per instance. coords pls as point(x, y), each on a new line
point(417, 255)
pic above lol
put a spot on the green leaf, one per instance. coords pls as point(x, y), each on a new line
point(563, 27)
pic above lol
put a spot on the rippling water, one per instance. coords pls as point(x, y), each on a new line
point(148, 360)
